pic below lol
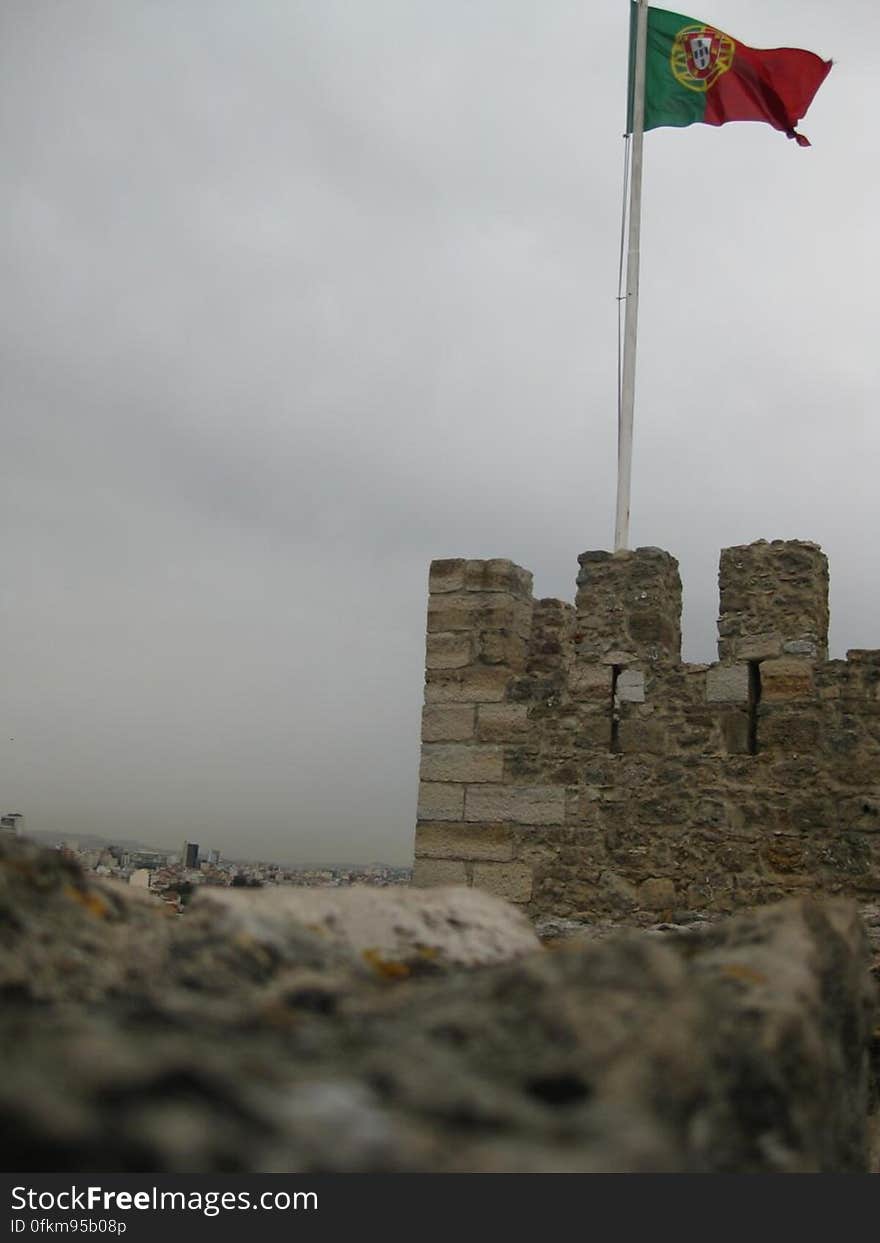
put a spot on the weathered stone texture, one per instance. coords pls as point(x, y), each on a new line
point(428, 873)
point(515, 804)
point(657, 893)
point(630, 686)
point(392, 1031)
point(786, 678)
point(629, 603)
point(449, 651)
point(727, 684)
point(448, 722)
point(584, 719)
point(512, 881)
point(457, 840)
point(460, 762)
point(774, 601)
point(472, 685)
point(440, 801)
point(502, 722)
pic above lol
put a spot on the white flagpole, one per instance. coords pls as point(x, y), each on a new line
point(628, 379)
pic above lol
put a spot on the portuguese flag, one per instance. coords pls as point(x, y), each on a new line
point(695, 72)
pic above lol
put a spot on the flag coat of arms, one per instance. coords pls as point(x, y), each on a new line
point(694, 72)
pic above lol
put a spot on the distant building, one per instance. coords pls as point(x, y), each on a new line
point(147, 858)
point(189, 855)
point(12, 823)
point(140, 879)
point(211, 856)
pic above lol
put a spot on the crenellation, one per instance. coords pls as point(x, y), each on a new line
point(628, 608)
point(573, 763)
point(773, 601)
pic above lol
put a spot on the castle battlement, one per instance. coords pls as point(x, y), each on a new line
point(571, 762)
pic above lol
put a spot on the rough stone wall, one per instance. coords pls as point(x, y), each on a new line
point(573, 764)
point(405, 1031)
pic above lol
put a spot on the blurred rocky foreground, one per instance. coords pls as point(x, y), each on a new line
point(403, 1030)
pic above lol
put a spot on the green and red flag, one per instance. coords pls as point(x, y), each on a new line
point(695, 72)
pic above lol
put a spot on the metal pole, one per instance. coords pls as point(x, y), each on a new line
point(628, 379)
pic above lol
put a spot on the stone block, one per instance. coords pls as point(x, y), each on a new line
point(511, 881)
point(460, 762)
point(650, 626)
point(862, 812)
point(758, 646)
point(480, 684)
point(594, 730)
point(657, 894)
point(515, 804)
point(428, 873)
point(479, 611)
point(617, 894)
point(630, 686)
point(501, 647)
point(786, 678)
point(783, 854)
point(502, 722)
point(448, 722)
point(800, 647)
point(487, 842)
point(449, 650)
point(727, 684)
point(641, 736)
point(589, 681)
point(447, 575)
point(498, 574)
point(792, 731)
point(736, 732)
point(440, 801)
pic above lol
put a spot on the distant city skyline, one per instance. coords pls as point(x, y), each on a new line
point(96, 841)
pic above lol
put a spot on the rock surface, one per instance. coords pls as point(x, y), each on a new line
point(464, 927)
point(228, 1040)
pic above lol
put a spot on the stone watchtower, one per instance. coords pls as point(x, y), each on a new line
point(573, 764)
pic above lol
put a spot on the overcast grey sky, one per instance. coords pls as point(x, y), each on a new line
point(297, 295)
